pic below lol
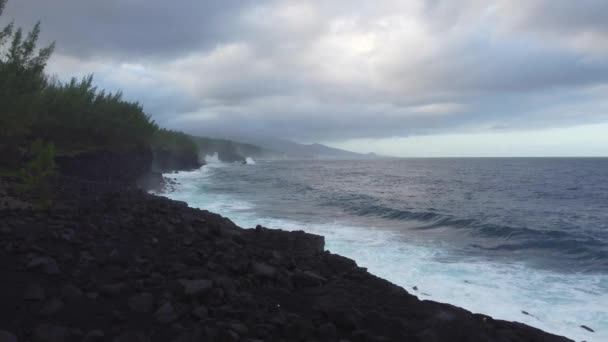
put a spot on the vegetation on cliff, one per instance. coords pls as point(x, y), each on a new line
point(74, 116)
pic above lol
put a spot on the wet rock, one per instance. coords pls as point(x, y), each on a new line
point(264, 270)
point(33, 292)
point(309, 244)
point(141, 303)
point(50, 333)
point(6, 336)
point(45, 265)
point(195, 288)
point(307, 279)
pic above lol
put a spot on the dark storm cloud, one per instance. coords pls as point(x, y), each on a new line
point(319, 70)
point(131, 28)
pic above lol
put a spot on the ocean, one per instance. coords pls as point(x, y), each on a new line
point(520, 239)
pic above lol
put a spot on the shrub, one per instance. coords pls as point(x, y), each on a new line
point(75, 116)
point(39, 171)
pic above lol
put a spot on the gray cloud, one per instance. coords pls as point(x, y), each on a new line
point(131, 29)
point(318, 70)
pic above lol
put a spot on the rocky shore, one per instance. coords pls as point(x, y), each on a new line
point(109, 262)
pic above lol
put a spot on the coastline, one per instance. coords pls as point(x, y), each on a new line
point(110, 262)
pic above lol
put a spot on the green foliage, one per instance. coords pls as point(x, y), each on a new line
point(177, 143)
point(75, 116)
point(22, 79)
point(39, 170)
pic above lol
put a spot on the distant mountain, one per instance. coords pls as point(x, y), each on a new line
point(289, 149)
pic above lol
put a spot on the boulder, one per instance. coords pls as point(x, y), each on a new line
point(328, 331)
point(33, 292)
point(307, 278)
point(141, 303)
point(166, 313)
point(195, 288)
point(70, 293)
point(200, 312)
point(113, 289)
point(51, 307)
point(264, 270)
point(45, 265)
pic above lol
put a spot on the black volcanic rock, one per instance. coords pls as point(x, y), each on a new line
point(6, 336)
point(136, 267)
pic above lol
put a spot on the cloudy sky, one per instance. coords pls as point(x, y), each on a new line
point(399, 77)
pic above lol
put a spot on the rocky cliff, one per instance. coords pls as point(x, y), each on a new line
point(113, 263)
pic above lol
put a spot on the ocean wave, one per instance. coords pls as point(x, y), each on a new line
point(592, 252)
point(558, 300)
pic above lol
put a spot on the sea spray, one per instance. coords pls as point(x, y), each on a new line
point(212, 159)
point(456, 263)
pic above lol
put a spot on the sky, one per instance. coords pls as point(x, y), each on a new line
point(396, 77)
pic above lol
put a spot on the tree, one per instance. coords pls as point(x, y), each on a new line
point(73, 116)
point(21, 80)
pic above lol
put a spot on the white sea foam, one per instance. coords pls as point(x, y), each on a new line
point(250, 161)
point(555, 302)
point(212, 159)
